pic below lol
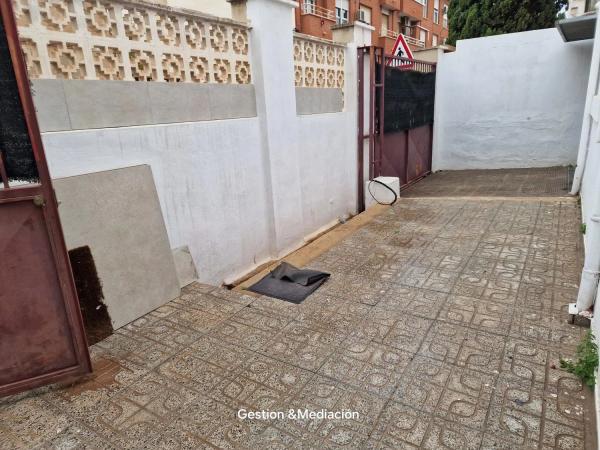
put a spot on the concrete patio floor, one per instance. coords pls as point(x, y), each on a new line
point(537, 182)
point(442, 326)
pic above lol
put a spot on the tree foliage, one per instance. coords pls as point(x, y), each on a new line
point(477, 18)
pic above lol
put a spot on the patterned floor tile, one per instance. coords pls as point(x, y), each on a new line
point(550, 328)
point(30, 421)
point(244, 335)
point(368, 365)
point(323, 393)
point(305, 355)
point(508, 422)
point(473, 313)
point(452, 393)
point(192, 372)
point(275, 374)
point(407, 333)
point(465, 347)
point(443, 326)
point(315, 333)
point(402, 427)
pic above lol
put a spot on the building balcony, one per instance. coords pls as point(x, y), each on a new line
point(318, 11)
point(411, 32)
point(390, 34)
point(414, 41)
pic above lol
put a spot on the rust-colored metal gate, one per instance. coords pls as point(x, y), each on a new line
point(407, 105)
point(406, 154)
point(400, 129)
point(41, 332)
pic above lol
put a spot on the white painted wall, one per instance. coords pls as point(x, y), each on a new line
point(587, 181)
point(587, 184)
point(238, 192)
point(590, 186)
point(590, 205)
point(510, 101)
point(212, 183)
point(272, 41)
point(328, 168)
point(209, 177)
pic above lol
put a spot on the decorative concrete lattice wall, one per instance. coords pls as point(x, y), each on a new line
point(101, 40)
point(318, 63)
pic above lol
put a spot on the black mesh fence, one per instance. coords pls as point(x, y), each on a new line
point(409, 99)
point(14, 138)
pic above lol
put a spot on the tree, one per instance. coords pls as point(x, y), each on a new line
point(477, 18)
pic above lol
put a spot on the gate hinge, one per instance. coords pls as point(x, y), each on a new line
point(39, 201)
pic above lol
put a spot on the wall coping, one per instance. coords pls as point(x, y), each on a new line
point(291, 3)
point(353, 24)
point(185, 12)
point(319, 40)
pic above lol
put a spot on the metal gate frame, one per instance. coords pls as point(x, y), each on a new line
point(42, 194)
point(376, 135)
point(413, 66)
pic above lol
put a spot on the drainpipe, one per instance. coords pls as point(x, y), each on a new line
point(591, 269)
point(587, 118)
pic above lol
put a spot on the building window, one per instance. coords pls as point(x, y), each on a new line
point(436, 11)
point(445, 16)
point(425, 5)
point(434, 40)
point(309, 6)
point(423, 35)
point(405, 26)
point(385, 20)
point(341, 11)
point(589, 5)
point(364, 14)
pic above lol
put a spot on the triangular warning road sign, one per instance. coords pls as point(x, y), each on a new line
point(402, 50)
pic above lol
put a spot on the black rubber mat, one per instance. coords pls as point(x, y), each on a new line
point(289, 283)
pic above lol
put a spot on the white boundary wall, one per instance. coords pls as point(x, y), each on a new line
point(510, 101)
point(587, 184)
point(238, 192)
point(590, 205)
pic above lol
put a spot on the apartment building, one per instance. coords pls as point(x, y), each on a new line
point(423, 22)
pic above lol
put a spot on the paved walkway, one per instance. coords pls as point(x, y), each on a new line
point(442, 326)
point(534, 182)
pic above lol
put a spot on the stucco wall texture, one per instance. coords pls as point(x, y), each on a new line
point(242, 191)
point(209, 177)
point(510, 101)
point(590, 186)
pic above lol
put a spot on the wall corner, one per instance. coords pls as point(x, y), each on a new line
point(272, 57)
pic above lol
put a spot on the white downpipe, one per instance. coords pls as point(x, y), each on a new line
point(584, 141)
point(591, 268)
